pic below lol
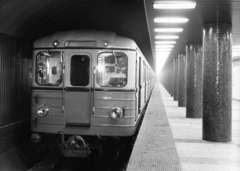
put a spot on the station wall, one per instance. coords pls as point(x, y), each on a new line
point(15, 60)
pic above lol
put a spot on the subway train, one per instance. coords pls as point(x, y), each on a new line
point(88, 88)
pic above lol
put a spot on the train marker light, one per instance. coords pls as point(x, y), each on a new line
point(42, 110)
point(105, 43)
point(116, 113)
point(55, 43)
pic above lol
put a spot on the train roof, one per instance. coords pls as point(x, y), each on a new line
point(85, 38)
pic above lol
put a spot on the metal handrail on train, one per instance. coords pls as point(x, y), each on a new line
point(93, 93)
point(63, 71)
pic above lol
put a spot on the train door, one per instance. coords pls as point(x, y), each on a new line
point(145, 81)
point(78, 97)
point(139, 85)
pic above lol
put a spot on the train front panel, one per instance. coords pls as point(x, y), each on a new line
point(84, 92)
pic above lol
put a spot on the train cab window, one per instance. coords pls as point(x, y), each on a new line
point(79, 74)
point(49, 68)
point(112, 69)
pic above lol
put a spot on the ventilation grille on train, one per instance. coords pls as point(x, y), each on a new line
point(77, 125)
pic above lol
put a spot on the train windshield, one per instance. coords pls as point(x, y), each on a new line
point(49, 68)
point(112, 69)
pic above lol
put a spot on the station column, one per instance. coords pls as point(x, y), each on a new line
point(169, 75)
point(182, 80)
point(194, 80)
point(175, 97)
point(217, 82)
point(173, 77)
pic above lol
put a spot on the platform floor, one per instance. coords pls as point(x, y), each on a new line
point(182, 148)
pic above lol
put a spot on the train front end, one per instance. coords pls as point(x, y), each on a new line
point(83, 91)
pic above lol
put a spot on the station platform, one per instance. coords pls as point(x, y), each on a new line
point(168, 141)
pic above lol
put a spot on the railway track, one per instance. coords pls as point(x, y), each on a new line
point(112, 161)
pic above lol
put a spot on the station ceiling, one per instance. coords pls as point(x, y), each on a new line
point(205, 12)
point(32, 19)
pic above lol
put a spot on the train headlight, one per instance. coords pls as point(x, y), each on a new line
point(116, 113)
point(42, 110)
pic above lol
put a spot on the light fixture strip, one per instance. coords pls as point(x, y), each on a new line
point(235, 48)
point(164, 46)
point(166, 37)
point(161, 56)
point(163, 50)
point(168, 30)
point(174, 5)
point(165, 42)
point(170, 20)
point(163, 53)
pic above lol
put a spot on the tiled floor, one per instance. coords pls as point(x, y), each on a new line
point(194, 153)
point(154, 148)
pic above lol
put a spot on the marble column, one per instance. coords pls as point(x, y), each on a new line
point(217, 82)
point(182, 80)
point(194, 81)
point(175, 97)
point(173, 78)
point(164, 78)
point(168, 82)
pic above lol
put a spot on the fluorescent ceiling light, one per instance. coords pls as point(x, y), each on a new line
point(165, 42)
point(162, 53)
point(164, 46)
point(236, 48)
point(157, 56)
point(166, 37)
point(168, 30)
point(163, 50)
point(161, 56)
point(160, 59)
point(235, 53)
point(174, 5)
point(170, 20)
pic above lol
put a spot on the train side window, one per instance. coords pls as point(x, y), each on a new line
point(49, 68)
point(112, 69)
point(79, 73)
